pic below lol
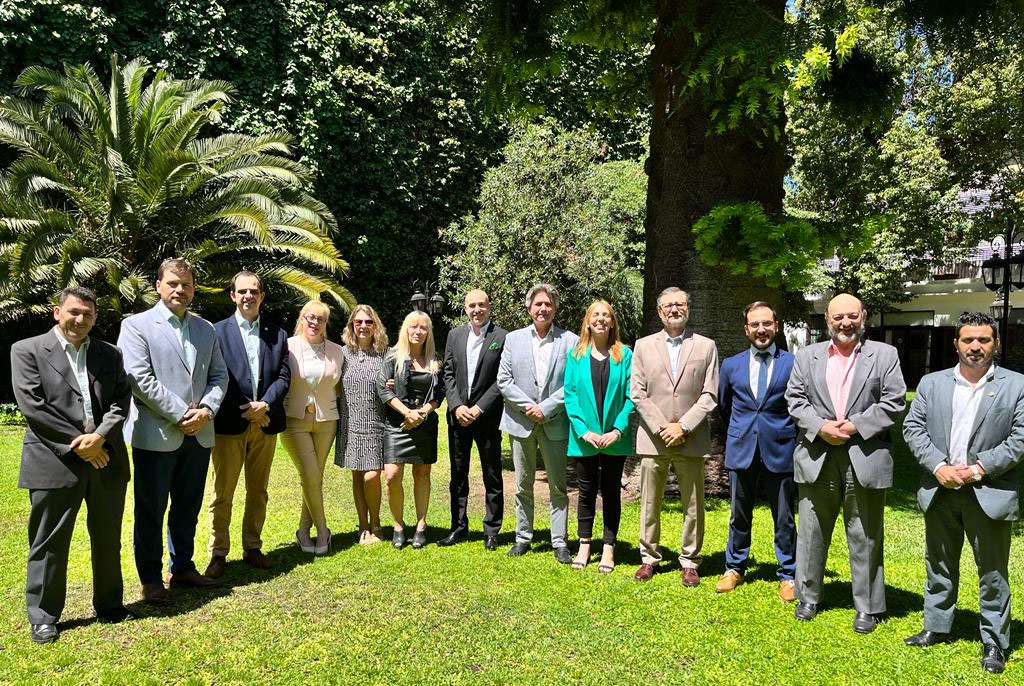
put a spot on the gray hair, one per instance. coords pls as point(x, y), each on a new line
point(669, 291)
point(542, 288)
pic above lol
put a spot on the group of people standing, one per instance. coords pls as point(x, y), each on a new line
point(811, 429)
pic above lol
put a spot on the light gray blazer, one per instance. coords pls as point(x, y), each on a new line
point(877, 399)
point(162, 387)
point(997, 438)
point(519, 386)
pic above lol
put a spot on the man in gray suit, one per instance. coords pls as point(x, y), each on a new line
point(178, 380)
point(530, 377)
point(844, 394)
point(74, 394)
point(966, 428)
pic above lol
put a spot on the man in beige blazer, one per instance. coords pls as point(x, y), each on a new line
point(674, 388)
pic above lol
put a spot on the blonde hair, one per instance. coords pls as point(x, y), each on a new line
point(321, 309)
point(402, 348)
point(614, 344)
point(380, 335)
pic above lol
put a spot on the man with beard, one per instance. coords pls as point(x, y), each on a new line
point(966, 428)
point(844, 394)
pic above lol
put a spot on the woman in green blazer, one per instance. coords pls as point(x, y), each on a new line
point(598, 406)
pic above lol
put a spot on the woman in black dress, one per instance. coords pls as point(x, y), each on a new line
point(410, 432)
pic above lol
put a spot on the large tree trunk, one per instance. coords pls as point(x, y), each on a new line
point(690, 172)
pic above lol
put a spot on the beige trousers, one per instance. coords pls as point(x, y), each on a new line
point(308, 442)
point(252, 450)
point(690, 475)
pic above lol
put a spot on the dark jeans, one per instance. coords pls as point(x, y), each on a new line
point(600, 472)
point(181, 476)
point(487, 436)
point(781, 493)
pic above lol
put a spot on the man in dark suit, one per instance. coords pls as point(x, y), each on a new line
point(471, 357)
point(250, 417)
point(760, 438)
point(75, 395)
point(966, 429)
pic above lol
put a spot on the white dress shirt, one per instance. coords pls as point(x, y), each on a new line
point(474, 346)
point(755, 366)
point(77, 359)
point(541, 353)
point(965, 410)
point(251, 341)
point(674, 344)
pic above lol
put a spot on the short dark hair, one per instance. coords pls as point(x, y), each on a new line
point(176, 265)
point(977, 319)
point(84, 294)
point(246, 272)
point(756, 304)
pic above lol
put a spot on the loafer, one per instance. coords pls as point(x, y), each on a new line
point(44, 633)
point(155, 594)
point(115, 616)
point(419, 539)
point(398, 538)
point(562, 555)
point(490, 543)
point(645, 573)
point(191, 579)
point(690, 577)
point(453, 537)
point(992, 659)
point(787, 590)
point(923, 639)
point(864, 622)
point(215, 569)
point(255, 557)
point(520, 548)
point(805, 612)
point(729, 581)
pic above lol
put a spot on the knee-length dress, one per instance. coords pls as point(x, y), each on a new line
point(360, 443)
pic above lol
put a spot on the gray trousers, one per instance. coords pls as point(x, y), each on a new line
point(863, 515)
point(51, 523)
point(524, 457)
point(951, 515)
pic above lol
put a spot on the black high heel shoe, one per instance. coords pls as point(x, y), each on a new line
point(398, 538)
point(419, 539)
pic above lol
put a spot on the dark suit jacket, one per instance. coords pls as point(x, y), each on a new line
point(47, 393)
point(762, 423)
point(485, 391)
point(275, 376)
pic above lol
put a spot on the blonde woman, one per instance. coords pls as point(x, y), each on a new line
point(598, 406)
point(312, 410)
point(410, 432)
point(360, 444)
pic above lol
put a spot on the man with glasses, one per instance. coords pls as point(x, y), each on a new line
point(178, 380)
point(674, 388)
point(251, 415)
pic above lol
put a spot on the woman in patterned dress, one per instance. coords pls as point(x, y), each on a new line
point(360, 444)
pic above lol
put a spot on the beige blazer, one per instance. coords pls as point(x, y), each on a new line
point(325, 394)
point(688, 398)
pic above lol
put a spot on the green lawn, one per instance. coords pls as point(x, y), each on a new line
point(376, 615)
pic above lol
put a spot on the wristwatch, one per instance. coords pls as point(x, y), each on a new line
point(975, 472)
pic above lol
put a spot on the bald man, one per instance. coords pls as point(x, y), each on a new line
point(471, 357)
point(844, 395)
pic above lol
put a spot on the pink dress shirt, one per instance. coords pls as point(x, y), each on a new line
point(838, 375)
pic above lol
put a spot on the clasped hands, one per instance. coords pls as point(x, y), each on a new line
point(672, 433)
point(466, 415)
point(413, 418)
point(954, 476)
point(90, 448)
point(601, 441)
point(256, 412)
point(837, 431)
point(535, 413)
point(194, 419)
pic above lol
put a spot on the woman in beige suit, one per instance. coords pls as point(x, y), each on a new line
point(312, 409)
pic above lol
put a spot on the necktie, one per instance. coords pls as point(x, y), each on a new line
point(762, 374)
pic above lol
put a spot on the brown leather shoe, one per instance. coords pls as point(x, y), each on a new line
point(215, 569)
point(256, 558)
point(729, 581)
point(191, 578)
point(690, 577)
point(155, 594)
point(645, 572)
point(787, 590)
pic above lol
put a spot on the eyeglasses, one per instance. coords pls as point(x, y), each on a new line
point(668, 307)
point(248, 291)
point(362, 322)
point(313, 319)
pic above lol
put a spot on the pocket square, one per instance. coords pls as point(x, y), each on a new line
point(493, 346)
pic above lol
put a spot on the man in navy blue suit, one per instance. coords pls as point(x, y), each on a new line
point(760, 439)
point(251, 416)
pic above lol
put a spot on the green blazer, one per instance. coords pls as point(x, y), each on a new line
point(581, 406)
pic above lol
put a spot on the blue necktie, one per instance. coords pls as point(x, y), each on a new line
point(762, 374)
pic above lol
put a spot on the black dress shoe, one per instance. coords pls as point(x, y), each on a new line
point(926, 638)
point(115, 616)
point(453, 537)
point(805, 611)
point(520, 548)
point(991, 658)
point(491, 543)
point(864, 622)
point(562, 555)
point(44, 633)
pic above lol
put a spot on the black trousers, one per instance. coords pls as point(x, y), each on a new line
point(600, 472)
point(487, 436)
point(50, 526)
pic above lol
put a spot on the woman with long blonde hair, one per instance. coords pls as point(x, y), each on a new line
point(598, 406)
point(410, 432)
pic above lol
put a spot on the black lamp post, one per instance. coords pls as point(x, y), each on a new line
point(426, 297)
point(1002, 274)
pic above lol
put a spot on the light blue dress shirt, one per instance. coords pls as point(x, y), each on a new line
point(755, 367)
point(77, 359)
point(251, 340)
point(180, 327)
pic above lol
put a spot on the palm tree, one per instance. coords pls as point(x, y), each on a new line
point(107, 183)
